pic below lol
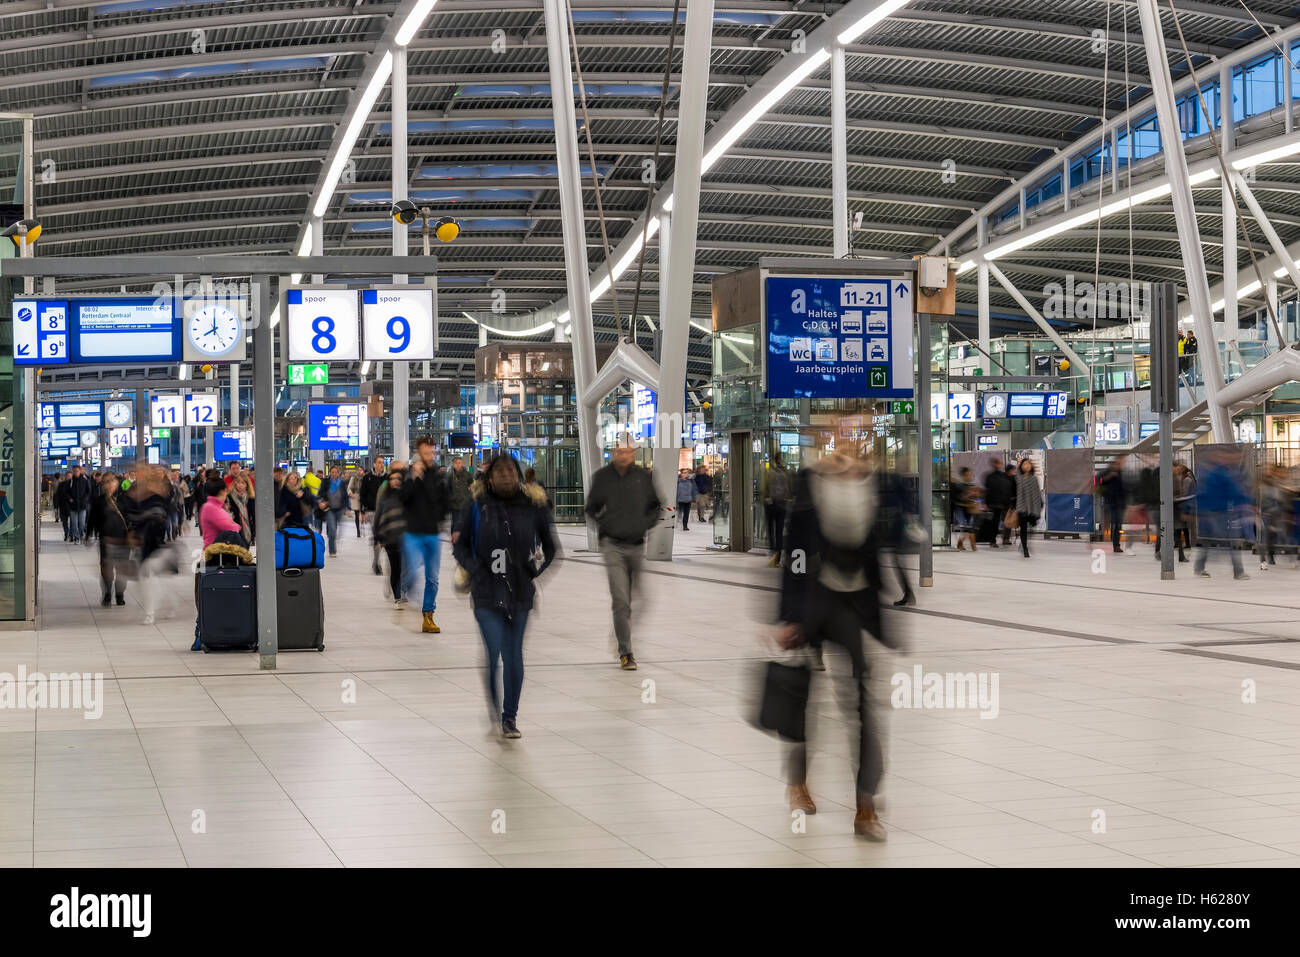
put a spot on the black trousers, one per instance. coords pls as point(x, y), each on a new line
point(775, 515)
point(996, 515)
point(395, 569)
point(1115, 519)
point(684, 508)
point(840, 623)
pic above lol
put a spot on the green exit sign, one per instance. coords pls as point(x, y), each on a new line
point(318, 374)
point(903, 407)
point(162, 433)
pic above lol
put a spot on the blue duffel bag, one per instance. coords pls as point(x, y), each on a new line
point(299, 548)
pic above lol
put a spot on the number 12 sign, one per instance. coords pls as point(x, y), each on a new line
point(398, 323)
point(323, 325)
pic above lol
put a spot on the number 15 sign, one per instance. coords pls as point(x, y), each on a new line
point(323, 325)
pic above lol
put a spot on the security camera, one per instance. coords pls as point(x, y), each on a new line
point(404, 212)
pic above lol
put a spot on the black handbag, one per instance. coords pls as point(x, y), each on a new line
point(785, 700)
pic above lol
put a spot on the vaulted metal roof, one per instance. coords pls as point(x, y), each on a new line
point(191, 126)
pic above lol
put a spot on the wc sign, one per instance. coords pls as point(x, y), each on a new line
point(801, 350)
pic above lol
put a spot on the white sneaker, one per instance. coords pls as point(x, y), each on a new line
point(1263, 566)
point(148, 620)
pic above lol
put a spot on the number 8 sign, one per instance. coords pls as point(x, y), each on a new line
point(323, 325)
point(398, 323)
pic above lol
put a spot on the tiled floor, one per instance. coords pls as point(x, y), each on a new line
point(1126, 731)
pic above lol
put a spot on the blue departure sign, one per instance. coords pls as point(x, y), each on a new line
point(40, 332)
point(838, 338)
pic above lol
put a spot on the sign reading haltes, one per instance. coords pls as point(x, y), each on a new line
point(323, 325)
point(398, 323)
point(833, 338)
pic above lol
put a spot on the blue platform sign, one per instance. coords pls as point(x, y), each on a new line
point(839, 338)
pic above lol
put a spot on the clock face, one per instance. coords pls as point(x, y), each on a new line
point(214, 330)
point(117, 413)
point(995, 406)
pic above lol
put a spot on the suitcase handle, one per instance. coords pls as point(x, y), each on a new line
point(291, 572)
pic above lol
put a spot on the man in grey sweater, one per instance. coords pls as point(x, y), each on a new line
point(623, 502)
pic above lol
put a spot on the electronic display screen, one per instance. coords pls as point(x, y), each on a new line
point(1026, 405)
point(231, 445)
point(140, 329)
point(79, 415)
point(337, 427)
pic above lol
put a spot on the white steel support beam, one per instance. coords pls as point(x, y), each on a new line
point(401, 176)
point(1189, 234)
point(665, 250)
point(1228, 202)
point(582, 333)
point(1042, 323)
point(1274, 241)
point(675, 330)
point(839, 155)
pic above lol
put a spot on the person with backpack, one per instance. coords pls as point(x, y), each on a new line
point(502, 528)
point(390, 528)
point(777, 492)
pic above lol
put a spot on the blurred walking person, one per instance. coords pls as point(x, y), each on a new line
point(1113, 495)
point(1220, 497)
point(389, 526)
point(424, 496)
point(115, 567)
point(370, 485)
point(502, 527)
point(623, 502)
point(703, 492)
point(777, 491)
point(833, 595)
point(1029, 501)
point(999, 498)
point(685, 496)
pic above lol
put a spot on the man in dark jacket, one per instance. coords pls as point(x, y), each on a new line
point(500, 527)
point(999, 495)
point(623, 502)
point(703, 491)
point(79, 494)
point(424, 500)
point(1113, 495)
point(458, 495)
point(370, 486)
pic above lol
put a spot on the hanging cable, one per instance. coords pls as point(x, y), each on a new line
point(595, 176)
point(1225, 172)
point(650, 186)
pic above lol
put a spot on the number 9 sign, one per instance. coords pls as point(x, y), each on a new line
point(398, 323)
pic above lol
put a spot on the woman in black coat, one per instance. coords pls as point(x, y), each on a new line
point(830, 592)
point(501, 529)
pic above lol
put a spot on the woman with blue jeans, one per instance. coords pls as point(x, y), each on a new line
point(501, 528)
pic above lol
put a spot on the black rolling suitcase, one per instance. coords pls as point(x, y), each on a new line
point(228, 608)
point(986, 530)
point(299, 609)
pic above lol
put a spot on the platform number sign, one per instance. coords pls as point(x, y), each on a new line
point(166, 411)
point(398, 323)
point(202, 409)
point(323, 325)
point(40, 332)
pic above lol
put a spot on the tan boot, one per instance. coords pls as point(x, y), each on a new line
point(430, 627)
point(800, 799)
point(865, 822)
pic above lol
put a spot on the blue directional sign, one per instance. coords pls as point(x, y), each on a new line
point(837, 338)
point(40, 332)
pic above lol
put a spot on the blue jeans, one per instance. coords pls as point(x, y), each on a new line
point(422, 550)
point(77, 523)
point(504, 640)
point(332, 527)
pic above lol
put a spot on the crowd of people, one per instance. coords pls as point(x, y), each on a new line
point(1009, 498)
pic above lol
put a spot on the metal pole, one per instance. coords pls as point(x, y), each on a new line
point(924, 451)
point(234, 395)
point(141, 417)
point(839, 154)
point(675, 328)
point(982, 298)
point(401, 370)
point(1228, 202)
point(1189, 234)
point(263, 466)
point(574, 227)
point(1167, 531)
